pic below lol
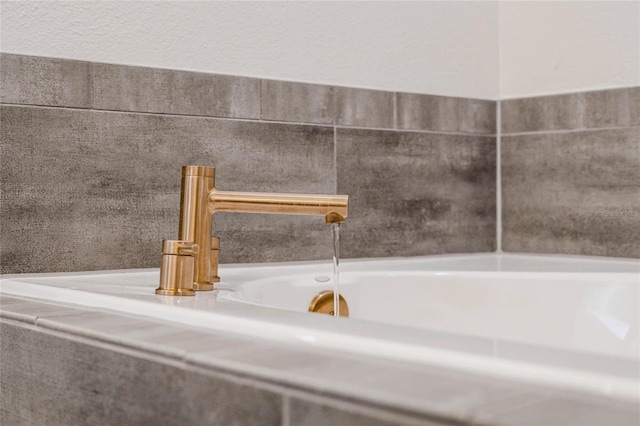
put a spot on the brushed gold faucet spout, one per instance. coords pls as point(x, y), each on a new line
point(333, 206)
point(199, 200)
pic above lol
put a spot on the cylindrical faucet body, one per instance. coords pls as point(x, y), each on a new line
point(195, 220)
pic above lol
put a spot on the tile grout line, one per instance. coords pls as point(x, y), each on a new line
point(92, 78)
point(395, 110)
point(261, 99)
point(499, 176)
point(499, 151)
point(251, 120)
point(286, 410)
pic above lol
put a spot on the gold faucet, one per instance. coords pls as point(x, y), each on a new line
point(191, 262)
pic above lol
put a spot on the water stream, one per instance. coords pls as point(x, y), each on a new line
point(335, 233)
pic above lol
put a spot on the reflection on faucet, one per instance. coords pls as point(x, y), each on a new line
point(191, 262)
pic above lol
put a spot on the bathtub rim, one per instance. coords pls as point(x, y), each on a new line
point(453, 359)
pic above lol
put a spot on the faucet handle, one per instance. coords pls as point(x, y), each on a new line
point(187, 248)
point(176, 272)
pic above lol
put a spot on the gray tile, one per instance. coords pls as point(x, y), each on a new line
point(404, 388)
point(44, 81)
point(558, 112)
point(573, 111)
point(569, 411)
point(125, 88)
point(52, 380)
point(307, 413)
point(211, 400)
point(117, 329)
point(480, 414)
point(572, 193)
point(606, 108)
point(416, 194)
point(364, 108)
point(30, 311)
point(5, 300)
point(634, 106)
point(49, 379)
point(106, 186)
point(17, 316)
point(298, 102)
point(446, 114)
point(145, 334)
point(608, 365)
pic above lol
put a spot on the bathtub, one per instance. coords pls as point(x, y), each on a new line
point(559, 322)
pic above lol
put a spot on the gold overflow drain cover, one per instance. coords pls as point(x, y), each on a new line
point(322, 303)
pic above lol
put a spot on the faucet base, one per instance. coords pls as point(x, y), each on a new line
point(202, 286)
point(175, 292)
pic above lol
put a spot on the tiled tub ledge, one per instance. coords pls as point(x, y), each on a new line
point(151, 371)
point(125, 368)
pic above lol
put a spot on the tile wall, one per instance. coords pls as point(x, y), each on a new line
point(571, 173)
point(92, 155)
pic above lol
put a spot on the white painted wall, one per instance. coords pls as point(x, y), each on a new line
point(456, 48)
point(439, 47)
point(549, 47)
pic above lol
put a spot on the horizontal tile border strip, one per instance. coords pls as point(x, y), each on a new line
point(126, 88)
point(601, 109)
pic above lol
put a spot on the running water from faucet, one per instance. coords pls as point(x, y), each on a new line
point(335, 233)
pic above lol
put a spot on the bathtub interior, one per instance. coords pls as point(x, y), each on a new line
point(596, 312)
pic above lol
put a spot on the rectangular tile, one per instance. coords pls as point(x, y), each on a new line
point(209, 399)
point(572, 193)
point(606, 108)
point(364, 108)
point(388, 385)
point(30, 311)
point(126, 88)
point(315, 413)
point(573, 111)
point(557, 112)
point(17, 316)
point(95, 384)
point(91, 384)
point(567, 410)
point(446, 114)
point(105, 186)
point(480, 415)
point(416, 194)
point(172, 340)
point(5, 301)
point(608, 365)
point(298, 102)
point(36, 80)
point(634, 106)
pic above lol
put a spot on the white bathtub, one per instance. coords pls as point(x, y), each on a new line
point(562, 322)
